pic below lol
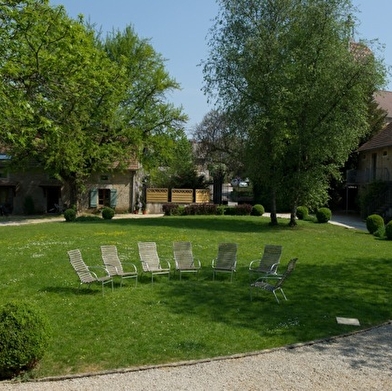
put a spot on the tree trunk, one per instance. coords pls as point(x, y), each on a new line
point(274, 219)
point(73, 193)
point(217, 189)
point(293, 221)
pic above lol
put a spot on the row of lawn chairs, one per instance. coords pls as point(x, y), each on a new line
point(265, 269)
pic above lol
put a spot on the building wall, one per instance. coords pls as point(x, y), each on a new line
point(375, 165)
point(28, 189)
point(120, 183)
point(45, 192)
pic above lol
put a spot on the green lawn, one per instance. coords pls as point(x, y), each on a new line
point(340, 272)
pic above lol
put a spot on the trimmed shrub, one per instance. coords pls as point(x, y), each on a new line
point(200, 209)
point(388, 230)
point(107, 213)
point(257, 210)
point(323, 215)
point(302, 212)
point(374, 222)
point(24, 337)
point(242, 209)
point(171, 209)
point(70, 215)
point(220, 210)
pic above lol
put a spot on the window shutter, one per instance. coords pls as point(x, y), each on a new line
point(93, 198)
point(113, 198)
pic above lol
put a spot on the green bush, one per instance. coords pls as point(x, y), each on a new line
point(302, 213)
point(70, 214)
point(171, 209)
point(107, 213)
point(323, 215)
point(374, 222)
point(388, 230)
point(242, 209)
point(24, 337)
point(220, 210)
point(257, 210)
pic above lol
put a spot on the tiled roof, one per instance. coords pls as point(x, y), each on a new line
point(384, 100)
point(380, 140)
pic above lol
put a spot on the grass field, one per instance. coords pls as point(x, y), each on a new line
point(340, 272)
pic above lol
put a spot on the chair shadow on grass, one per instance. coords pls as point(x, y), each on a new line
point(314, 295)
point(70, 290)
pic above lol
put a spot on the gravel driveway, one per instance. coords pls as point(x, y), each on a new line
point(359, 361)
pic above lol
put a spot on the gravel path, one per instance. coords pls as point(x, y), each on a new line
point(359, 361)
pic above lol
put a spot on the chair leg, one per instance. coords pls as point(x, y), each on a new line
point(276, 297)
point(283, 294)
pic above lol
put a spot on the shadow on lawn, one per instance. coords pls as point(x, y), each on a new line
point(316, 295)
point(213, 223)
point(82, 291)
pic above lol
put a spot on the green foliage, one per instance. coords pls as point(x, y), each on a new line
point(24, 338)
point(388, 230)
point(75, 101)
point(70, 214)
point(323, 215)
point(201, 209)
point(302, 212)
point(280, 72)
point(257, 210)
point(107, 213)
point(171, 209)
point(374, 222)
point(220, 210)
point(371, 193)
point(243, 209)
point(28, 205)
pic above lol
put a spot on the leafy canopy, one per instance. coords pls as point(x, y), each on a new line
point(77, 103)
point(295, 86)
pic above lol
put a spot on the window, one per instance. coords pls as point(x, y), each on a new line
point(104, 197)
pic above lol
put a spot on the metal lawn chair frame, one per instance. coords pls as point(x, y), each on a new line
point(150, 260)
point(262, 283)
point(85, 273)
point(184, 259)
point(226, 260)
point(269, 262)
point(115, 266)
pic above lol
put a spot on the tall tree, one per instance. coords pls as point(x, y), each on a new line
point(75, 103)
point(288, 74)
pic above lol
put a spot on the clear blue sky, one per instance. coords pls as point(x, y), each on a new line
point(178, 29)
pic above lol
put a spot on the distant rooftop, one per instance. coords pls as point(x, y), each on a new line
point(384, 100)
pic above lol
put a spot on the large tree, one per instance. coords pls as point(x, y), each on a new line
point(76, 102)
point(287, 73)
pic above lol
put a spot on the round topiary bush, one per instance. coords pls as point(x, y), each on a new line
point(388, 230)
point(70, 215)
point(302, 212)
point(24, 337)
point(257, 210)
point(374, 222)
point(107, 213)
point(323, 215)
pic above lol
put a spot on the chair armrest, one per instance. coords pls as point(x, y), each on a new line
point(131, 265)
point(253, 262)
point(213, 263)
point(166, 262)
point(100, 268)
point(197, 263)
